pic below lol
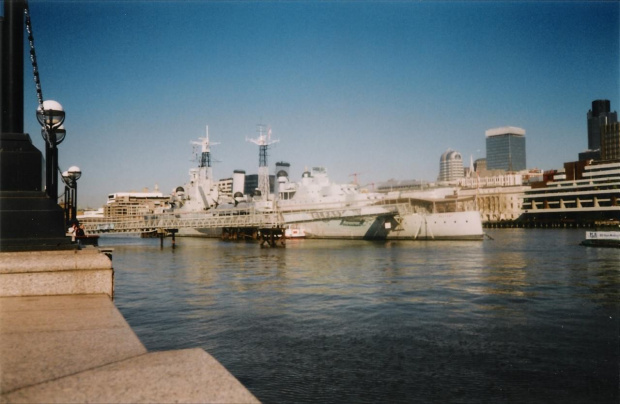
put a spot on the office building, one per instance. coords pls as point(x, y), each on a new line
point(450, 166)
point(505, 149)
point(588, 155)
point(610, 141)
point(598, 117)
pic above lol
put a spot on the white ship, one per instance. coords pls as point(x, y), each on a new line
point(315, 193)
point(371, 215)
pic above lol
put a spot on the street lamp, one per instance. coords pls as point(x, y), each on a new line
point(74, 173)
point(70, 178)
point(51, 116)
point(68, 203)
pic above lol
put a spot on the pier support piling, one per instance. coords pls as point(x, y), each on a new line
point(162, 233)
point(272, 237)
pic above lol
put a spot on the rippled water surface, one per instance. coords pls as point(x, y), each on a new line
point(527, 316)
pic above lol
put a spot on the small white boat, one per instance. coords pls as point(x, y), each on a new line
point(294, 232)
point(610, 238)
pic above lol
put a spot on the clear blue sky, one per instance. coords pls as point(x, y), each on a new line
point(379, 88)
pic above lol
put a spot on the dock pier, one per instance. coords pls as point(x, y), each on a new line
point(239, 233)
point(236, 224)
point(272, 236)
point(163, 233)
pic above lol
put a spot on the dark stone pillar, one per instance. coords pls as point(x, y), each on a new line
point(29, 220)
point(13, 67)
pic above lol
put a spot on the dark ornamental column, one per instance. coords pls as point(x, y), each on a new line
point(29, 220)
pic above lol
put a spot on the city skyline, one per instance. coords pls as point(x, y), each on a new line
point(377, 88)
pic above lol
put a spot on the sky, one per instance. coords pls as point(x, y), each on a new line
point(377, 88)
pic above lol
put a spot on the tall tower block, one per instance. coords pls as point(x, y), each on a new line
point(506, 149)
point(599, 116)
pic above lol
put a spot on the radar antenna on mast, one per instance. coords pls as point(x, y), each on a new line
point(204, 155)
point(263, 141)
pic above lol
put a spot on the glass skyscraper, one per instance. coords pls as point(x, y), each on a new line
point(506, 149)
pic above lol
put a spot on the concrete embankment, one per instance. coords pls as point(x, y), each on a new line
point(63, 340)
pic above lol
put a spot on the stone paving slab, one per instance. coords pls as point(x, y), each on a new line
point(35, 273)
point(57, 283)
point(53, 261)
point(47, 337)
point(184, 376)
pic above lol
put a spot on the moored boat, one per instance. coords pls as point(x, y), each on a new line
point(609, 238)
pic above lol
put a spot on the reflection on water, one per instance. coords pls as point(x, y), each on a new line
point(527, 316)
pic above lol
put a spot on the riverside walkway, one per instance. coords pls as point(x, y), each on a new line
point(62, 340)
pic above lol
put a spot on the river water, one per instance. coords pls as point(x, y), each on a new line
point(527, 315)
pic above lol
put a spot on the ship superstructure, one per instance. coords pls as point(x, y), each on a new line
point(317, 191)
point(201, 192)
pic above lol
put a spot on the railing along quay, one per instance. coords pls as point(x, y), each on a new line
point(149, 223)
point(229, 218)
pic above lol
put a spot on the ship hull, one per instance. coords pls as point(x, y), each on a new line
point(438, 226)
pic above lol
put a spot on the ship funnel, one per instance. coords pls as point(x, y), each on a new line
point(238, 182)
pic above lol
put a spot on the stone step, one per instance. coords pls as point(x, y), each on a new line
point(35, 273)
point(63, 340)
point(46, 337)
point(183, 376)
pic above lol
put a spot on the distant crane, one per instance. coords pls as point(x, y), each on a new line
point(354, 175)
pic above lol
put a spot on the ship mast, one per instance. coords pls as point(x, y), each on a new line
point(263, 141)
point(205, 156)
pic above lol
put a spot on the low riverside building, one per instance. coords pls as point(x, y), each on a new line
point(498, 197)
point(121, 205)
point(586, 197)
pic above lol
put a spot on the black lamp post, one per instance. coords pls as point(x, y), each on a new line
point(68, 194)
point(74, 173)
point(51, 115)
point(70, 178)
